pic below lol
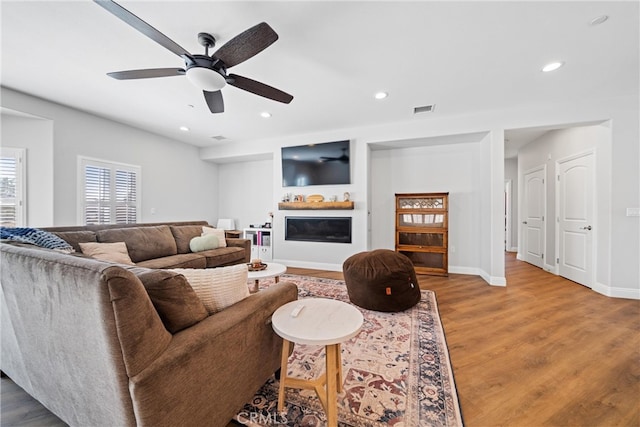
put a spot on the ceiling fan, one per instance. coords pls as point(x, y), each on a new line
point(208, 73)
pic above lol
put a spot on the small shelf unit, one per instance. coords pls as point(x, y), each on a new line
point(422, 227)
point(260, 242)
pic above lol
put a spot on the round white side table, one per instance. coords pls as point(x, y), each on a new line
point(321, 321)
point(273, 270)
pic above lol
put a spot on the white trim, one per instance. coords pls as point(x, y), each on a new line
point(613, 292)
point(522, 236)
point(508, 192)
point(20, 154)
point(84, 160)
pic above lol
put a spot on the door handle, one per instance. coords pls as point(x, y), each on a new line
point(524, 222)
point(588, 227)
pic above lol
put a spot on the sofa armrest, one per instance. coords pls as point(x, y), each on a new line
point(216, 365)
point(242, 243)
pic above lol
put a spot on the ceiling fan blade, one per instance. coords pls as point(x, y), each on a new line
point(247, 44)
point(258, 88)
point(142, 26)
point(214, 101)
point(147, 74)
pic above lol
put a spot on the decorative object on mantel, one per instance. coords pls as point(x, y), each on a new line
point(315, 205)
point(298, 198)
point(346, 196)
point(314, 198)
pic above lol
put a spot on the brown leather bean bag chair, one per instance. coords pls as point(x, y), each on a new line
point(381, 280)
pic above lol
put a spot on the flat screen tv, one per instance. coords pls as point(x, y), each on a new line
point(316, 164)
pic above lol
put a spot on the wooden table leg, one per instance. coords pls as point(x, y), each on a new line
point(332, 355)
point(255, 287)
point(339, 367)
point(284, 358)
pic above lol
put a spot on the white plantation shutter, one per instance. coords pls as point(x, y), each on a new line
point(126, 196)
point(12, 200)
point(110, 192)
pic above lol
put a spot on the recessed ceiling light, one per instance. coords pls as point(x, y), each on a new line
point(552, 66)
point(599, 20)
point(265, 114)
point(381, 95)
point(184, 129)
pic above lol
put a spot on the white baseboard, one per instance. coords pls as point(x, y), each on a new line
point(553, 269)
point(520, 257)
point(492, 280)
point(464, 270)
point(617, 292)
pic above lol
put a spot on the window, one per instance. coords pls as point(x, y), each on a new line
point(12, 187)
point(110, 192)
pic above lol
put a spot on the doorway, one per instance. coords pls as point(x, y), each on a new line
point(533, 225)
point(575, 206)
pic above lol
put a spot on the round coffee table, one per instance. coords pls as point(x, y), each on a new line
point(273, 270)
point(321, 321)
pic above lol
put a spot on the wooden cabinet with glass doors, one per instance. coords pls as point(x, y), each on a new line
point(422, 231)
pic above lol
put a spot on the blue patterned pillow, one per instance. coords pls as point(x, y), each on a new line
point(35, 236)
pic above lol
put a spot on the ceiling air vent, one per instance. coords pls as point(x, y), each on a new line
point(424, 109)
point(219, 137)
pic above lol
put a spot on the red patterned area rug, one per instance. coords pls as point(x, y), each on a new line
point(396, 370)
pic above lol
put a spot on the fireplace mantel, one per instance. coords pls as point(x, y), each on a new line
point(315, 205)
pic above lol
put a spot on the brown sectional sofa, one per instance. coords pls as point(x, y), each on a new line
point(86, 338)
point(159, 245)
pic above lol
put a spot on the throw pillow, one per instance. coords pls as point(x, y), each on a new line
point(222, 242)
point(218, 288)
point(175, 301)
point(204, 243)
point(112, 252)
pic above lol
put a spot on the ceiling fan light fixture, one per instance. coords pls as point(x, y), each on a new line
point(206, 79)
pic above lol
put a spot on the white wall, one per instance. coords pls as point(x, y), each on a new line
point(452, 168)
point(36, 136)
point(246, 192)
point(618, 169)
point(547, 150)
point(175, 181)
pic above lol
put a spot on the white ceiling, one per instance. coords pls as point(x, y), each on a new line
point(331, 56)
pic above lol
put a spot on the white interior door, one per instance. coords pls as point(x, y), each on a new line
point(575, 218)
point(533, 229)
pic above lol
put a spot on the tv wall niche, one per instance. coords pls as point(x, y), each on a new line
point(326, 163)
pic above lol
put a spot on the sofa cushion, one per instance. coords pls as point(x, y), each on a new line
point(143, 242)
point(175, 301)
point(176, 261)
point(222, 237)
point(204, 243)
point(183, 235)
point(75, 237)
point(223, 256)
point(218, 288)
point(111, 252)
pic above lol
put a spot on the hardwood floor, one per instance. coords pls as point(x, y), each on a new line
point(541, 351)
